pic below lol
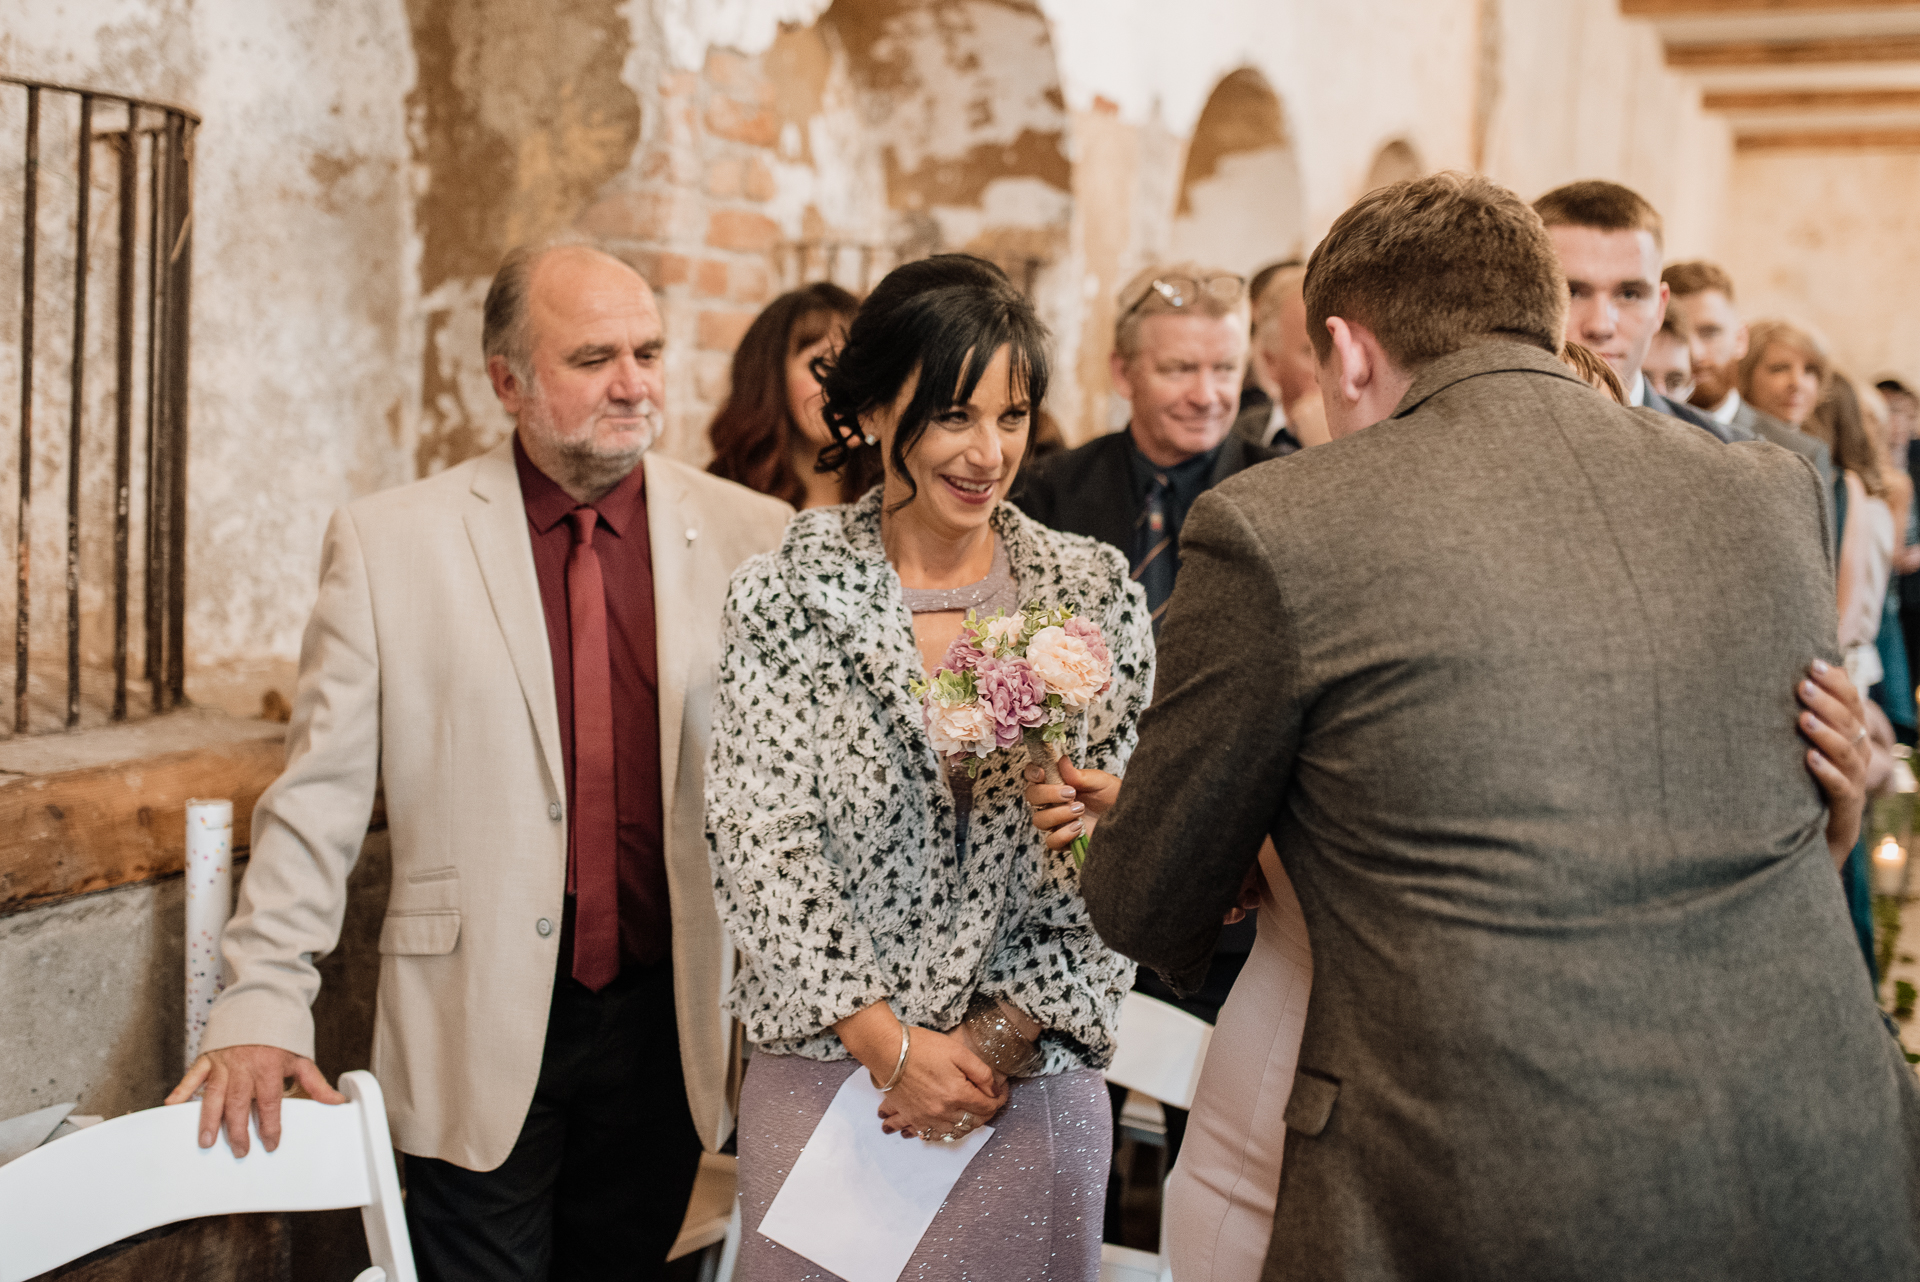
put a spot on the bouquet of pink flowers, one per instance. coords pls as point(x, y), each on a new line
point(1016, 679)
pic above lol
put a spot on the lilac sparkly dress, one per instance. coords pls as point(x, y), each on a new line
point(1028, 1208)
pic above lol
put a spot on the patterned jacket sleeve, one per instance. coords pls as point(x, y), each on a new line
point(786, 904)
point(1049, 961)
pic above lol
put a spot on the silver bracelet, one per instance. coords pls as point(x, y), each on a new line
point(899, 1070)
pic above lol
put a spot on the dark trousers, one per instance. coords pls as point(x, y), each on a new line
point(597, 1184)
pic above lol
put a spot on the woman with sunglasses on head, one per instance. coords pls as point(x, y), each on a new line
point(896, 917)
point(769, 435)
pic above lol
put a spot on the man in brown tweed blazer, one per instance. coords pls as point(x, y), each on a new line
point(1507, 677)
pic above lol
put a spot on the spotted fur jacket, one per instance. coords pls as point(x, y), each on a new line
point(831, 826)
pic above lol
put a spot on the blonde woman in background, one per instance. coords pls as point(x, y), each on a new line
point(1787, 373)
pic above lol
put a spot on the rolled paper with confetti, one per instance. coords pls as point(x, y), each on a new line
point(209, 901)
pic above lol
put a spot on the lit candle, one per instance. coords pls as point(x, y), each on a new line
point(1889, 866)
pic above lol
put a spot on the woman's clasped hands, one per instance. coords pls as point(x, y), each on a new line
point(943, 1088)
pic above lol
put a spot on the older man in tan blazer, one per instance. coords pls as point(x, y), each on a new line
point(520, 649)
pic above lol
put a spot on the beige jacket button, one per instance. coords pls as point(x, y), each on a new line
point(544, 926)
point(553, 811)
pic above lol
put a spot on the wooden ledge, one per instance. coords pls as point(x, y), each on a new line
point(72, 832)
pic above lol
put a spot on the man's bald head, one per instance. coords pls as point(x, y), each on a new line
point(574, 351)
point(508, 323)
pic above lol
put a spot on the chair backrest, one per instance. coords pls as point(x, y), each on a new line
point(146, 1169)
point(1160, 1050)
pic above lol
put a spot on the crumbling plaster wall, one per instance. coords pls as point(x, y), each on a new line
point(1586, 93)
point(304, 274)
point(364, 163)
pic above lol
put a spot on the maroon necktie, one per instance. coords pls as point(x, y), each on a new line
point(595, 835)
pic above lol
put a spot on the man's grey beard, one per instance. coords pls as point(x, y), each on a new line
point(590, 469)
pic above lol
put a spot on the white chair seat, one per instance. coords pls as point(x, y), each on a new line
point(1160, 1050)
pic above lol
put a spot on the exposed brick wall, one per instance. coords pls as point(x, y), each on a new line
point(694, 216)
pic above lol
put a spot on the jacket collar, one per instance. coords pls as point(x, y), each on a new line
point(1495, 356)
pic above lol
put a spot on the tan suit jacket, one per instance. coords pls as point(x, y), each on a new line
point(425, 668)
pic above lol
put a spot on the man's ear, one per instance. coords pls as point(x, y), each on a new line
point(1352, 362)
point(506, 384)
point(1740, 341)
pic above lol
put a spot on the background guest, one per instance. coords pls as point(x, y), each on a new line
point(1903, 412)
point(1784, 371)
point(1867, 536)
point(769, 434)
point(1254, 394)
point(1609, 240)
point(1669, 363)
point(1282, 361)
point(1894, 694)
point(1179, 353)
point(1703, 293)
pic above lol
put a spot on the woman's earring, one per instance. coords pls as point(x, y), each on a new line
point(870, 438)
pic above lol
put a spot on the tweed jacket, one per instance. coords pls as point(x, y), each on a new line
point(831, 826)
point(425, 669)
point(1508, 678)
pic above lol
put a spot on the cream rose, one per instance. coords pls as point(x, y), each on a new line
point(1067, 666)
point(1002, 633)
point(960, 728)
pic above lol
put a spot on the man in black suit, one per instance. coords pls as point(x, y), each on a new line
point(1609, 240)
point(1179, 356)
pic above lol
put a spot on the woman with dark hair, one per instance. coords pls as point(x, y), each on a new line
point(769, 435)
point(894, 916)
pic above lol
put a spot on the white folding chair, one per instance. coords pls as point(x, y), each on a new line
point(1159, 1052)
point(137, 1172)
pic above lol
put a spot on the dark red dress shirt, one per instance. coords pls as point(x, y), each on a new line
point(626, 566)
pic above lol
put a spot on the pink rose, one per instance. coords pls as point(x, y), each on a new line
point(960, 728)
point(1014, 693)
point(1067, 664)
point(961, 655)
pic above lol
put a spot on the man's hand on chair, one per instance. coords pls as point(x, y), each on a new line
point(239, 1080)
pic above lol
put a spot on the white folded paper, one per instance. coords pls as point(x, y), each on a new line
point(858, 1200)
